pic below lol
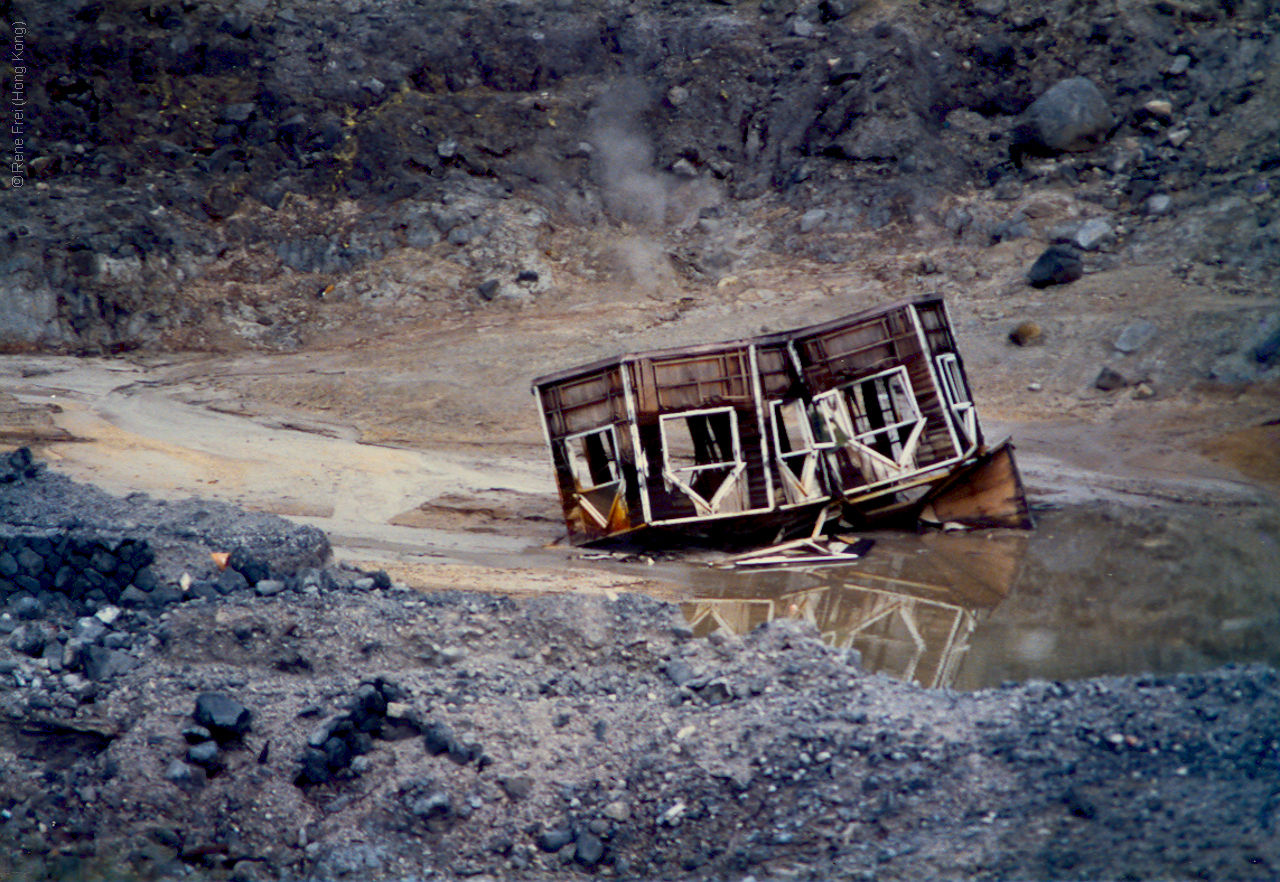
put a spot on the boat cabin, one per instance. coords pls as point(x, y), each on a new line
point(869, 411)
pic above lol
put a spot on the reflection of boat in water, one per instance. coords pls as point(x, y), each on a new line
point(909, 609)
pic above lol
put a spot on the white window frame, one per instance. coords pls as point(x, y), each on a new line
point(683, 476)
point(958, 400)
point(578, 466)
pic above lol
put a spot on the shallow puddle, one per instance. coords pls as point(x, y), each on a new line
point(1093, 591)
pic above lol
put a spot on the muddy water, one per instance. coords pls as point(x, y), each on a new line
point(1095, 590)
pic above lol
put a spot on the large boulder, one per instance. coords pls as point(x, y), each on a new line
point(1072, 116)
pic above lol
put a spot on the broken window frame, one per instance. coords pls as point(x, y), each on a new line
point(806, 484)
point(683, 477)
point(840, 409)
point(576, 460)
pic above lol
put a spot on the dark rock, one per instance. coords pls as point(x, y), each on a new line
point(206, 754)
point(253, 568)
point(133, 597)
point(222, 715)
point(368, 703)
point(1109, 380)
point(554, 839)
point(314, 767)
point(1058, 265)
point(220, 202)
point(204, 589)
point(437, 738)
point(28, 608)
point(463, 753)
point(230, 581)
point(18, 465)
point(169, 594)
point(1268, 351)
point(588, 850)
point(28, 640)
point(30, 561)
point(337, 753)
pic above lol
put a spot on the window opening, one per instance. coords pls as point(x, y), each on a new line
point(702, 457)
point(800, 433)
point(597, 479)
point(877, 421)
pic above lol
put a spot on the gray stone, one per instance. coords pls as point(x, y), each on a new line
point(1071, 116)
point(80, 688)
point(101, 663)
point(134, 597)
point(185, 774)
point(314, 767)
point(683, 168)
point(554, 839)
point(230, 580)
point(1158, 205)
point(679, 672)
point(589, 850)
point(269, 587)
point(89, 629)
point(1093, 234)
point(802, 27)
point(196, 734)
point(28, 608)
point(1135, 336)
point(30, 561)
point(516, 787)
point(206, 754)
point(429, 805)
point(28, 640)
point(812, 219)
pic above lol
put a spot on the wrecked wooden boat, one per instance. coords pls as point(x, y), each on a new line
point(871, 413)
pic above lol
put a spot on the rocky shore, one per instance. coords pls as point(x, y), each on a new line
point(285, 719)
